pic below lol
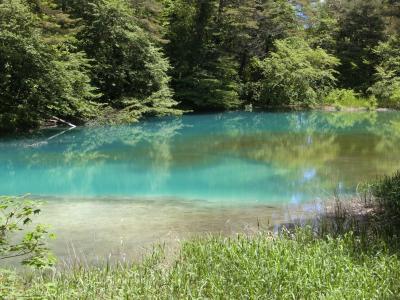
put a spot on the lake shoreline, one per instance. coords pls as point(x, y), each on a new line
point(337, 246)
point(131, 236)
point(271, 109)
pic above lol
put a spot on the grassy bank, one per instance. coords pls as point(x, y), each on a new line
point(351, 252)
point(291, 266)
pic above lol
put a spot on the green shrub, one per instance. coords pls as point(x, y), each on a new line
point(349, 98)
point(387, 91)
point(294, 74)
point(386, 87)
point(387, 193)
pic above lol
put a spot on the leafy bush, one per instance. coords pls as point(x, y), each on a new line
point(349, 98)
point(387, 76)
point(15, 216)
point(387, 90)
point(387, 193)
point(294, 74)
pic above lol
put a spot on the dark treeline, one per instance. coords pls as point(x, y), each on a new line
point(122, 60)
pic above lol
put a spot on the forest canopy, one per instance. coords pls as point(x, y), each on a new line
point(122, 60)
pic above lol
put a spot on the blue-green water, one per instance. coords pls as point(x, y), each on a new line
point(245, 157)
point(113, 191)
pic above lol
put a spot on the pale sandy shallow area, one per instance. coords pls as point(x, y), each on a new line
point(92, 231)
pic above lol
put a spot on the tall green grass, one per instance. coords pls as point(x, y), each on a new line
point(294, 265)
point(387, 194)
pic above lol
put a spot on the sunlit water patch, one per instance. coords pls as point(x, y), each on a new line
point(243, 162)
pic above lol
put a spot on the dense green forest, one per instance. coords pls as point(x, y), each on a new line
point(112, 61)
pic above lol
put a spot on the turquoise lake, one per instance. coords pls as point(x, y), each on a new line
point(245, 157)
point(194, 173)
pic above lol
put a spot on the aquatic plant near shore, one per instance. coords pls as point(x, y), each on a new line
point(16, 214)
point(387, 194)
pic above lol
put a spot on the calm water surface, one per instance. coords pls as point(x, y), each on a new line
point(115, 186)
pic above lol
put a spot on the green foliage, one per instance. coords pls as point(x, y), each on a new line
point(349, 98)
point(122, 60)
point(15, 216)
point(387, 76)
point(362, 27)
point(251, 27)
point(292, 266)
point(279, 21)
point(38, 80)
point(323, 28)
point(212, 43)
point(387, 193)
point(129, 70)
point(294, 74)
point(391, 10)
point(205, 76)
point(149, 16)
point(56, 25)
point(214, 88)
point(43, 73)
